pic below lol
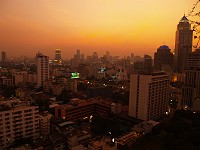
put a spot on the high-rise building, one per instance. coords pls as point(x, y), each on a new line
point(148, 64)
point(189, 91)
point(3, 56)
point(42, 69)
point(163, 57)
point(191, 88)
point(132, 58)
point(193, 60)
point(78, 55)
point(143, 66)
point(18, 120)
point(58, 55)
point(95, 57)
point(183, 43)
point(149, 95)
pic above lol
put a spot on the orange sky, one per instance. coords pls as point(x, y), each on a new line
point(119, 26)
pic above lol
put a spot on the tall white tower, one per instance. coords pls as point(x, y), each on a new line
point(149, 95)
point(42, 69)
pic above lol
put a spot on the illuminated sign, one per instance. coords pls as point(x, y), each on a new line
point(74, 75)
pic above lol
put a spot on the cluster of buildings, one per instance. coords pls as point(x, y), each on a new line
point(152, 84)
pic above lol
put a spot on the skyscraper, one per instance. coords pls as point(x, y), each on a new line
point(78, 55)
point(148, 64)
point(58, 55)
point(3, 56)
point(143, 66)
point(95, 57)
point(149, 95)
point(183, 43)
point(42, 69)
point(163, 57)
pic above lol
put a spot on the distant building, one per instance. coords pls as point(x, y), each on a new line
point(183, 43)
point(99, 91)
point(42, 69)
point(3, 56)
point(149, 95)
point(95, 58)
point(163, 57)
point(58, 55)
point(57, 86)
point(143, 66)
point(78, 54)
point(23, 77)
point(148, 64)
point(121, 74)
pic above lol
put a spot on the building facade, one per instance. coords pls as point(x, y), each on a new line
point(149, 95)
point(42, 69)
point(183, 43)
point(17, 121)
point(79, 109)
point(163, 57)
point(44, 123)
point(57, 55)
point(191, 88)
point(3, 56)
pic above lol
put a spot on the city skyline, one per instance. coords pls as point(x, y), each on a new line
point(138, 27)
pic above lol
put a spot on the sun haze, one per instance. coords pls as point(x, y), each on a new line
point(119, 26)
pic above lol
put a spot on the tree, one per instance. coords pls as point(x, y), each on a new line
point(194, 13)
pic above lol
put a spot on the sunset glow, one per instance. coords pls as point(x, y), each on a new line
point(119, 26)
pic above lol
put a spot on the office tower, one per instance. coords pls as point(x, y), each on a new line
point(78, 55)
point(163, 57)
point(3, 56)
point(149, 95)
point(95, 58)
point(132, 58)
point(18, 120)
point(58, 55)
point(148, 64)
point(42, 69)
point(143, 66)
point(191, 88)
point(82, 58)
point(183, 43)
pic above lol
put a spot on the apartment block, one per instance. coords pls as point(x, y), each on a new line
point(17, 120)
point(149, 95)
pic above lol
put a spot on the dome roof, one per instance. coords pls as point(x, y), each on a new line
point(164, 47)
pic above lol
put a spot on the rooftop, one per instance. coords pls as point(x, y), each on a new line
point(164, 47)
point(83, 102)
point(184, 19)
